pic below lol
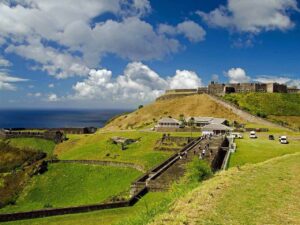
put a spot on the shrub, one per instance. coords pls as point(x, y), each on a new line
point(198, 170)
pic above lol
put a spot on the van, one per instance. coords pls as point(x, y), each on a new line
point(283, 140)
point(252, 134)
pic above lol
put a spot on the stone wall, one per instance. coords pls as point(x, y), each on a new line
point(55, 136)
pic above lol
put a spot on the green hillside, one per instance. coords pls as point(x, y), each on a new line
point(265, 193)
point(278, 107)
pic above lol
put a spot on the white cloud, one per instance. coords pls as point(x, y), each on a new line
point(278, 79)
point(58, 64)
point(52, 98)
point(252, 15)
point(138, 83)
point(4, 62)
point(184, 79)
point(191, 30)
point(7, 81)
point(64, 40)
point(51, 85)
point(37, 94)
point(237, 75)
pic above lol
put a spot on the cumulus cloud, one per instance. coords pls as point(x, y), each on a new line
point(64, 39)
point(51, 85)
point(7, 81)
point(137, 83)
point(237, 75)
point(184, 79)
point(58, 64)
point(252, 16)
point(191, 30)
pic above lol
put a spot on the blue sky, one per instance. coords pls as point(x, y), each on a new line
point(119, 54)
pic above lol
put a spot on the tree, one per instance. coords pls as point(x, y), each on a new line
point(141, 106)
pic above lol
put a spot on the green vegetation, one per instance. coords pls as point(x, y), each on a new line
point(266, 193)
point(100, 147)
point(261, 149)
point(71, 185)
point(199, 170)
point(12, 158)
point(39, 144)
point(104, 217)
point(278, 107)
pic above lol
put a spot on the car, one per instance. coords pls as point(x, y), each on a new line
point(271, 137)
point(237, 135)
point(252, 134)
point(283, 140)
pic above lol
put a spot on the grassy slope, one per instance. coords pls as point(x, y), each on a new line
point(197, 105)
point(73, 184)
point(276, 106)
point(46, 146)
point(261, 149)
point(265, 193)
point(97, 146)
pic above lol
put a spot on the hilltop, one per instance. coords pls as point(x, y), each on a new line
point(194, 105)
point(281, 108)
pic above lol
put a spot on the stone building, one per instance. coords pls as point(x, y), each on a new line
point(221, 89)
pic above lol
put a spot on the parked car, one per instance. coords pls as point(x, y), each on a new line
point(283, 140)
point(237, 135)
point(271, 137)
point(252, 134)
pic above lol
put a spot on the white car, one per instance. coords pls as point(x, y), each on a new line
point(283, 140)
point(236, 135)
point(252, 134)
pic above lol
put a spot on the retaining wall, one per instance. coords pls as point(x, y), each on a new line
point(71, 210)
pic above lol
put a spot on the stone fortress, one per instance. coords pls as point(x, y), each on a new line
point(221, 89)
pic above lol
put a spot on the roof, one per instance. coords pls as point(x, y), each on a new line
point(213, 126)
point(199, 119)
point(168, 120)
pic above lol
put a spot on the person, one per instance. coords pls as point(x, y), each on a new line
point(200, 156)
point(203, 153)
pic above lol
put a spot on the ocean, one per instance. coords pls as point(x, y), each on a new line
point(56, 118)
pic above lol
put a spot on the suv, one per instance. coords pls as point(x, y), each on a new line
point(252, 134)
point(283, 140)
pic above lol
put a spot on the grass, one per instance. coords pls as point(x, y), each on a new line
point(277, 107)
point(43, 145)
point(196, 105)
point(141, 213)
point(265, 193)
point(261, 149)
point(104, 217)
point(71, 185)
point(99, 147)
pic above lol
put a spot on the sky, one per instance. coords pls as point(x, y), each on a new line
point(123, 53)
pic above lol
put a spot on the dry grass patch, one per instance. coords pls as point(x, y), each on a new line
point(196, 105)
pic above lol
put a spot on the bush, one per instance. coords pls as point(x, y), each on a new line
point(199, 170)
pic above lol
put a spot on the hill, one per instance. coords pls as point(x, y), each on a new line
point(243, 196)
point(277, 107)
point(195, 105)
